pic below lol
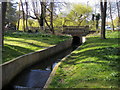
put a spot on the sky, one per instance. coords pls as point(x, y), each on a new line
point(90, 2)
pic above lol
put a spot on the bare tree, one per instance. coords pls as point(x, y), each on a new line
point(103, 6)
point(50, 8)
point(111, 16)
point(46, 7)
point(38, 16)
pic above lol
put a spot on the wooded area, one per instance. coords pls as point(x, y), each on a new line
point(37, 16)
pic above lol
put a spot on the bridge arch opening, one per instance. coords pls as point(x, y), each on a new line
point(76, 40)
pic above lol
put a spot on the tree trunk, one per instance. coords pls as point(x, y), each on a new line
point(51, 17)
point(111, 16)
point(4, 7)
point(47, 24)
point(97, 22)
point(26, 14)
point(118, 9)
point(103, 17)
point(23, 15)
point(18, 18)
point(1, 38)
point(42, 17)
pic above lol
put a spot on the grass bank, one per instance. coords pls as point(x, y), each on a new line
point(95, 64)
point(19, 43)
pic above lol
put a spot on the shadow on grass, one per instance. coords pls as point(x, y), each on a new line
point(11, 51)
point(27, 43)
point(102, 54)
point(108, 53)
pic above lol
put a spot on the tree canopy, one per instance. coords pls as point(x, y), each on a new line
point(77, 16)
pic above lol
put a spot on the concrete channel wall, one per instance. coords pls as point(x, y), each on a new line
point(12, 68)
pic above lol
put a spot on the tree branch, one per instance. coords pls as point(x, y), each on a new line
point(33, 17)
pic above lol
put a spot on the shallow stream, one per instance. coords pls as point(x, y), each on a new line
point(35, 77)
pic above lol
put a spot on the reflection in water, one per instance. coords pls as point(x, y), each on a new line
point(35, 76)
point(50, 62)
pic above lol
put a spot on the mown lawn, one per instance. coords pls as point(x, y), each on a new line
point(95, 64)
point(19, 43)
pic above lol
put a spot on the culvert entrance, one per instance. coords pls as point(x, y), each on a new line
point(77, 40)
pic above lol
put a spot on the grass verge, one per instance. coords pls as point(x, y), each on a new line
point(19, 43)
point(95, 64)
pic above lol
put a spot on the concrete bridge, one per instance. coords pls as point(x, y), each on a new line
point(77, 32)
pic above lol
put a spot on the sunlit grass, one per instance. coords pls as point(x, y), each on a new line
point(25, 43)
point(95, 64)
point(18, 43)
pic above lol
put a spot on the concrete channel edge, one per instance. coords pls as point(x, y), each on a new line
point(14, 67)
point(54, 71)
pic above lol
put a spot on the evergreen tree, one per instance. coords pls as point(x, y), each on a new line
point(11, 17)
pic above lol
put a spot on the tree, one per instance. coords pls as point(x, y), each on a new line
point(111, 16)
point(11, 17)
point(78, 15)
point(43, 14)
point(18, 24)
point(116, 21)
point(36, 14)
point(51, 17)
point(93, 17)
point(0, 26)
point(26, 3)
point(103, 17)
point(97, 20)
point(40, 16)
point(4, 7)
point(118, 9)
point(23, 15)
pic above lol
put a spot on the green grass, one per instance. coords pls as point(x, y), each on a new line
point(95, 64)
point(19, 43)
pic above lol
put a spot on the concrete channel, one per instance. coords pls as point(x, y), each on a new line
point(31, 71)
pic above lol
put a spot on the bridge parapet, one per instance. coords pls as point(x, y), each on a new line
point(76, 30)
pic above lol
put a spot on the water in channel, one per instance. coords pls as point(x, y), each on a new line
point(35, 77)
